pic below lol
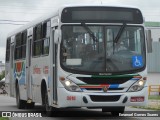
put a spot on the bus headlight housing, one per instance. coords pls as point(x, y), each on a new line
point(70, 86)
point(137, 86)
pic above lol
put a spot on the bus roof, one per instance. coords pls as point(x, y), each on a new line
point(57, 12)
point(34, 22)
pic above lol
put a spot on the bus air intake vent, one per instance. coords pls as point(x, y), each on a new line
point(101, 98)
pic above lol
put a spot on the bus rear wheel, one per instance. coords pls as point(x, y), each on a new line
point(21, 104)
point(115, 113)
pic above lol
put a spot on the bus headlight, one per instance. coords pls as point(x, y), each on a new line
point(70, 86)
point(67, 83)
point(141, 82)
point(137, 86)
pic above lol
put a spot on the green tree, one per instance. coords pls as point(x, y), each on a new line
point(2, 75)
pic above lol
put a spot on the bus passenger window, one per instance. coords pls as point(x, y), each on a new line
point(46, 46)
point(37, 45)
point(24, 39)
point(18, 50)
point(38, 32)
point(45, 40)
point(8, 49)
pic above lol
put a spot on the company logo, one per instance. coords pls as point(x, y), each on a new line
point(20, 114)
point(105, 88)
point(6, 114)
point(19, 66)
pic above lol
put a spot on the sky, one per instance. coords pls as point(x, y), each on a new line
point(15, 13)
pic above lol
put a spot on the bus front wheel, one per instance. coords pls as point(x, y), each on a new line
point(114, 110)
point(49, 109)
point(30, 105)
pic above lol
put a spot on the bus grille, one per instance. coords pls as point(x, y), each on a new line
point(111, 98)
point(100, 89)
point(103, 80)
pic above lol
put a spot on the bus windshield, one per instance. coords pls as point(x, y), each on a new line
point(80, 52)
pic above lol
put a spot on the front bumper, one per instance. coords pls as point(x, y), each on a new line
point(84, 99)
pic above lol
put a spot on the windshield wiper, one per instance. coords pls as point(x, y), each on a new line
point(119, 33)
point(118, 36)
point(90, 32)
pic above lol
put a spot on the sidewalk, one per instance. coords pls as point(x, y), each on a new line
point(154, 104)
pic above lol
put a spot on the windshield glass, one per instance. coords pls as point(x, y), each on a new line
point(81, 52)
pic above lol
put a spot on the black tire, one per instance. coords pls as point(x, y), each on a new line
point(114, 113)
point(49, 109)
point(119, 110)
point(21, 104)
point(30, 105)
point(114, 110)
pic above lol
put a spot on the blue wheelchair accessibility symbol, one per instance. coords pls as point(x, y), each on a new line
point(137, 61)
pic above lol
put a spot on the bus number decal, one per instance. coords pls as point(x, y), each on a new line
point(45, 69)
point(36, 70)
point(71, 98)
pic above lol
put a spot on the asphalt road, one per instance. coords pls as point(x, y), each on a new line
point(9, 104)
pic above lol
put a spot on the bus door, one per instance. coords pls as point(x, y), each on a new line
point(28, 69)
point(54, 24)
point(54, 69)
point(12, 79)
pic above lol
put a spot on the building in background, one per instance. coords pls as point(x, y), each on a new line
point(2, 67)
point(155, 30)
point(153, 62)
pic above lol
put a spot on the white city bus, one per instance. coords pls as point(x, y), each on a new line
point(79, 56)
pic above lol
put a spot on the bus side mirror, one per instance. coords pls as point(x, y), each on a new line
point(57, 36)
point(149, 41)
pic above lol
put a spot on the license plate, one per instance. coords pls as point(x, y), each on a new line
point(137, 99)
